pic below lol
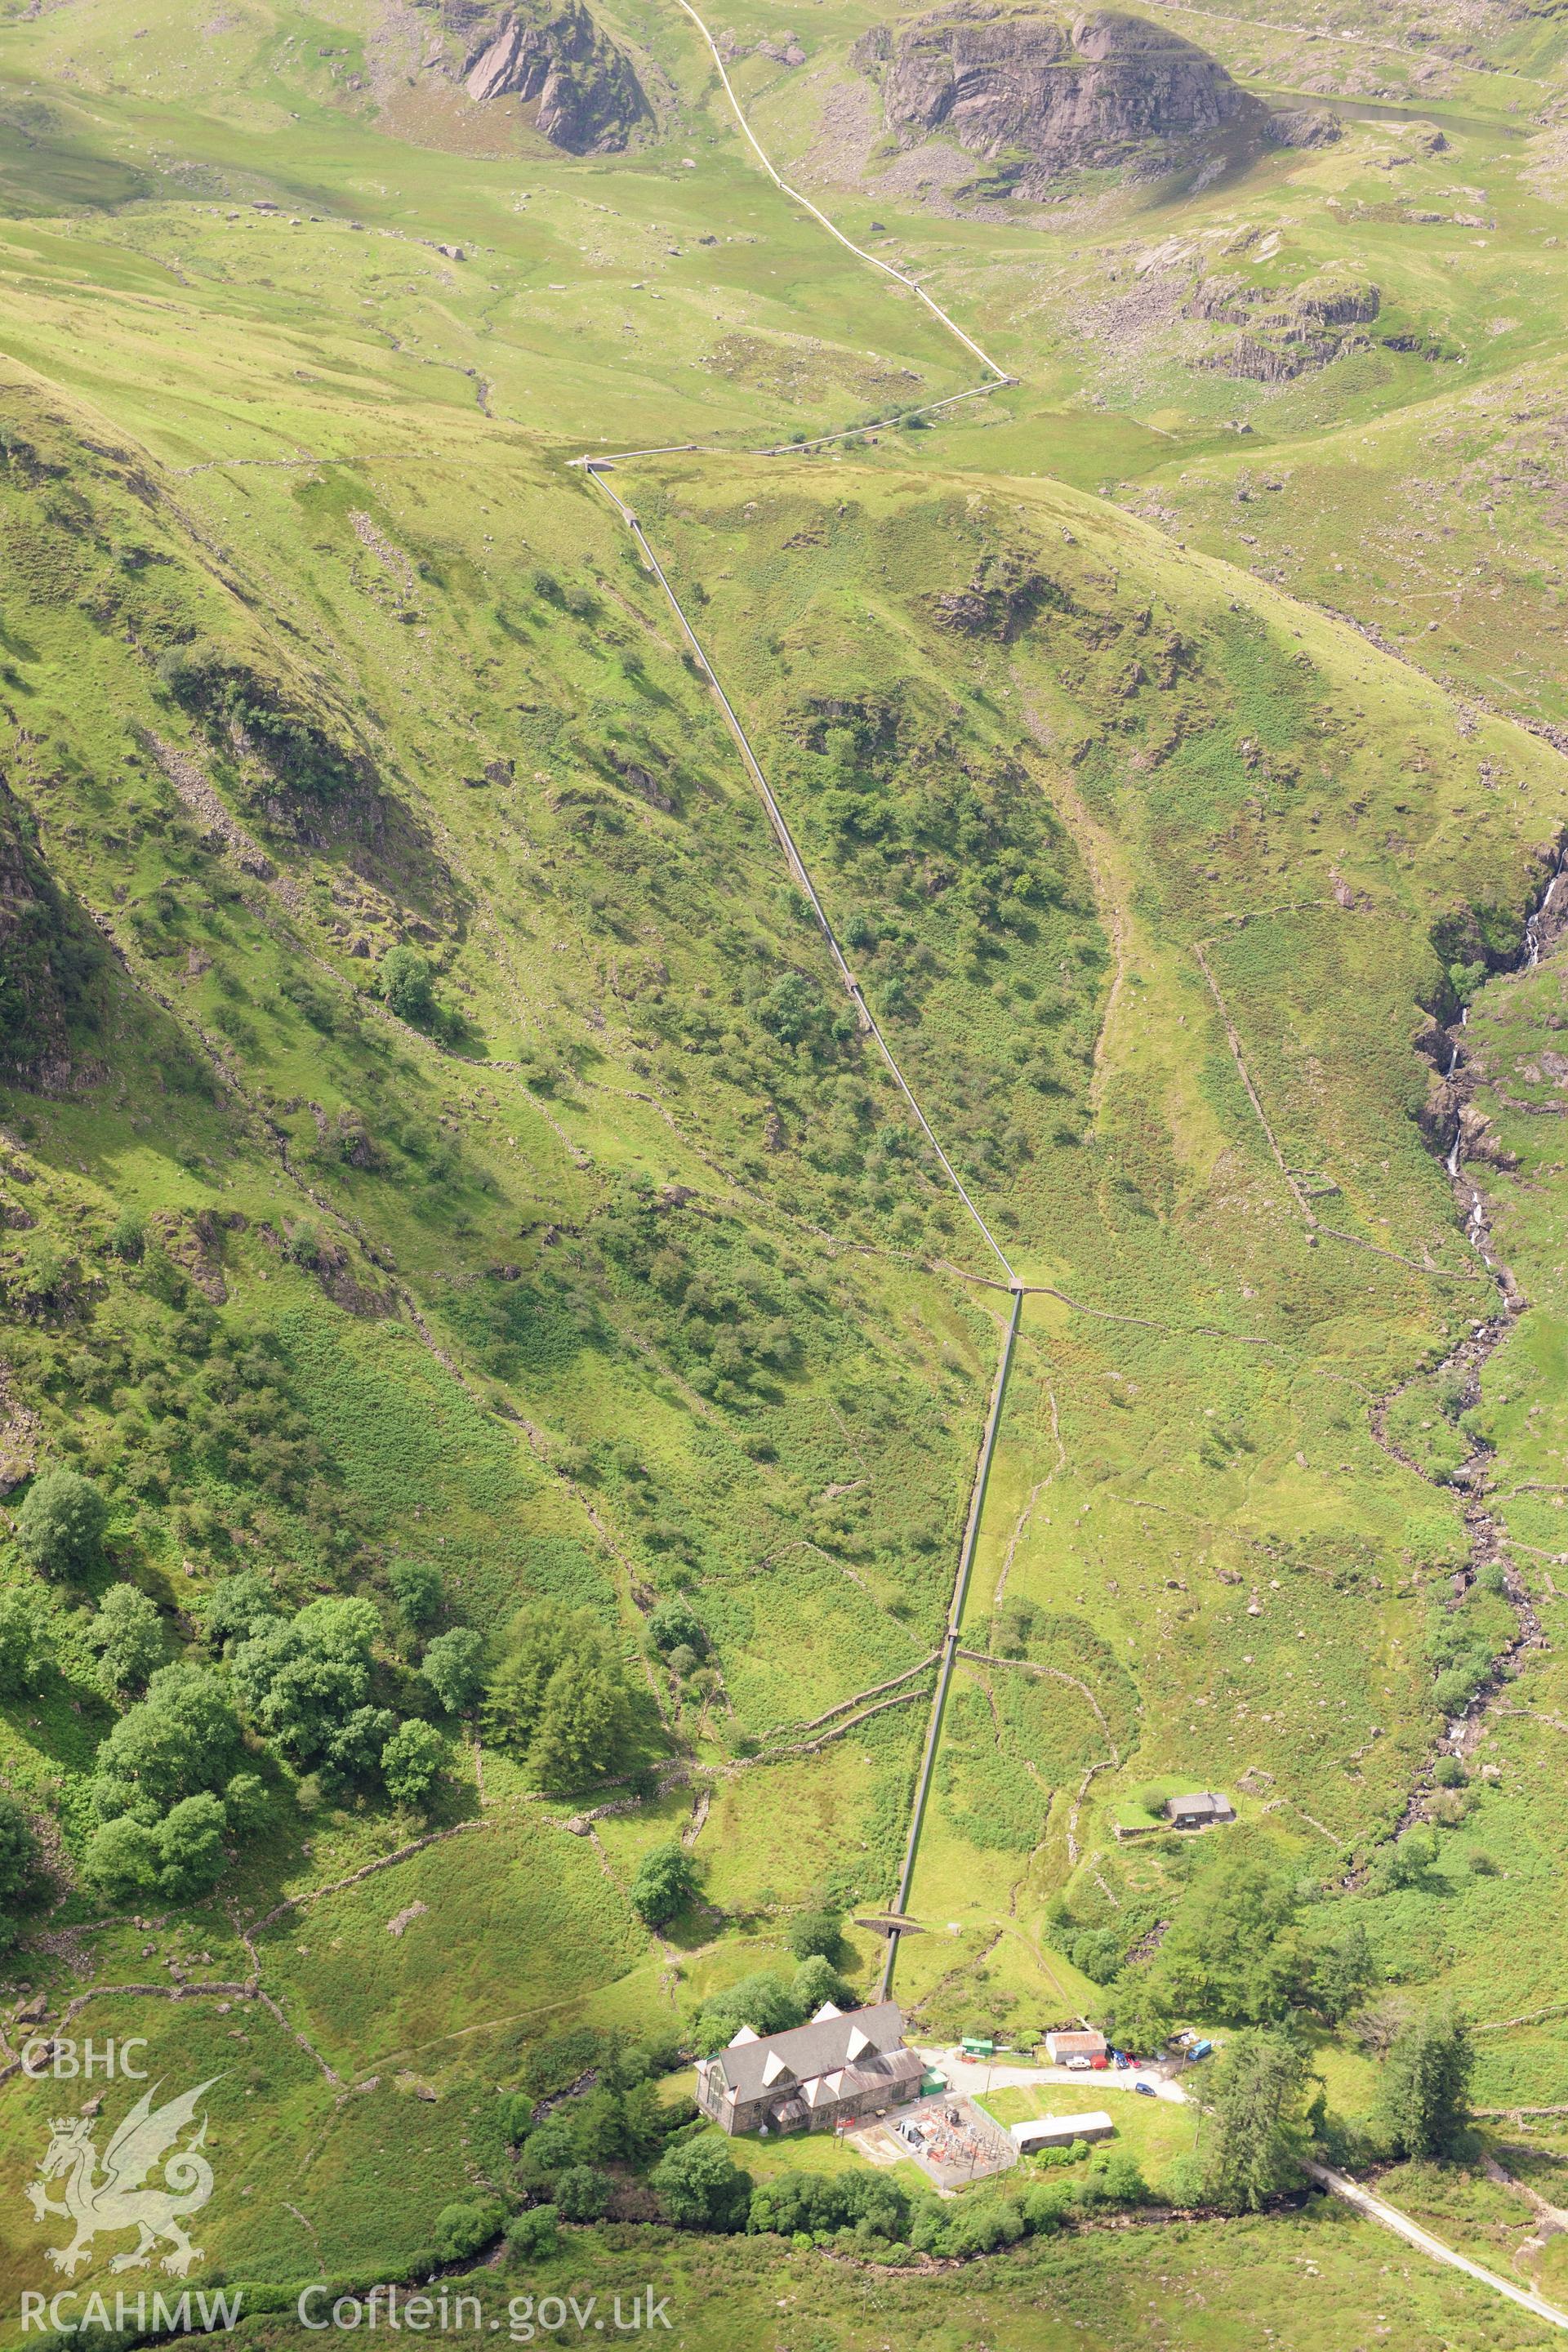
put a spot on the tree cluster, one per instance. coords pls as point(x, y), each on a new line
point(561, 1696)
point(1244, 1949)
point(621, 2120)
point(172, 1790)
point(768, 2003)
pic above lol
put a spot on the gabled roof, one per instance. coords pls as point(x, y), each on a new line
point(1202, 1800)
point(824, 2047)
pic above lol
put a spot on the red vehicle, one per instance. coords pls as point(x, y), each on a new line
point(1101, 2064)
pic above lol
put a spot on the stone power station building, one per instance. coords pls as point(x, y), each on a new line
point(842, 2065)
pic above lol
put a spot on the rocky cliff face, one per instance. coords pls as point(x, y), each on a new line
point(1059, 92)
point(1305, 329)
point(590, 99)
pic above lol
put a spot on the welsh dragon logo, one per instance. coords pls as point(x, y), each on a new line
point(118, 2198)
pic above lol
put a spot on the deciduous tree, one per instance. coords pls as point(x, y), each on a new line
point(24, 1643)
point(700, 2188)
point(665, 1884)
point(60, 1525)
point(411, 1762)
point(300, 1678)
point(180, 1738)
point(453, 1666)
point(129, 1635)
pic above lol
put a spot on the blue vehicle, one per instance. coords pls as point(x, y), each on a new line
point(1200, 2050)
point(1146, 2090)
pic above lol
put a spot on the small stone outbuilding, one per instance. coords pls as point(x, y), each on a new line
point(1198, 1810)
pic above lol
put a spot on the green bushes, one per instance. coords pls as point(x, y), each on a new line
point(234, 700)
point(895, 793)
point(463, 2227)
point(243, 1425)
point(416, 1587)
point(182, 1857)
point(700, 2186)
point(24, 1643)
point(794, 1011)
point(766, 2003)
point(406, 986)
point(240, 1606)
point(411, 1762)
point(1462, 1644)
point(873, 2215)
point(620, 2120)
point(179, 1741)
point(304, 1680)
point(582, 2193)
point(514, 2117)
point(732, 1323)
point(1096, 1953)
point(817, 1934)
point(530, 2234)
point(798, 2203)
point(1408, 1863)
point(165, 1793)
point(673, 1624)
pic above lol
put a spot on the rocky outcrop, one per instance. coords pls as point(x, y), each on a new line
point(589, 97)
point(1251, 361)
point(1225, 301)
point(1448, 1116)
point(1302, 126)
point(1287, 333)
point(1049, 92)
point(1330, 301)
point(786, 51)
point(1002, 596)
point(1551, 921)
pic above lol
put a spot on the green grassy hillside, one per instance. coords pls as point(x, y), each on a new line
point(443, 1176)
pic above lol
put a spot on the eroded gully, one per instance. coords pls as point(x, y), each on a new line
point(1463, 1136)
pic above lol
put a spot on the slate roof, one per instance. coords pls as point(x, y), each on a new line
point(805, 2051)
point(1203, 1804)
